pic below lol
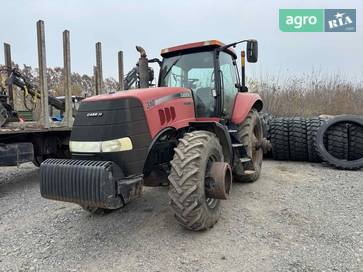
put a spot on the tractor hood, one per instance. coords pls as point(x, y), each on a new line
point(148, 96)
point(121, 126)
point(162, 106)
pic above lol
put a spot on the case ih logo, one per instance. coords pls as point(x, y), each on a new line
point(94, 114)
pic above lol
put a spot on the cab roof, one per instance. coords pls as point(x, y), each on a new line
point(195, 47)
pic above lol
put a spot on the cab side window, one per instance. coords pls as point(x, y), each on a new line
point(228, 80)
point(203, 83)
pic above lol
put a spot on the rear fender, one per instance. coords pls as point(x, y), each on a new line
point(222, 133)
point(243, 104)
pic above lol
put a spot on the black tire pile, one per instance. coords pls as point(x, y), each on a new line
point(337, 140)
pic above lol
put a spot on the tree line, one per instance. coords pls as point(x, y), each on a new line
point(82, 85)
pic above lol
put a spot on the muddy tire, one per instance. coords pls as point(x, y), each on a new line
point(250, 132)
point(298, 144)
point(189, 172)
point(279, 131)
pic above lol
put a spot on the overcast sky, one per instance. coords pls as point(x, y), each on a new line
point(120, 25)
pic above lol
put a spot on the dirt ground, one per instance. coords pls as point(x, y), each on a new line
point(296, 217)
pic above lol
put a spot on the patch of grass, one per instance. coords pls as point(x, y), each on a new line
point(310, 94)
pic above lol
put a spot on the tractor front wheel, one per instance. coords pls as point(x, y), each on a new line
point(189, 177)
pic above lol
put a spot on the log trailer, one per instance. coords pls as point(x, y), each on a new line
point(30, 141)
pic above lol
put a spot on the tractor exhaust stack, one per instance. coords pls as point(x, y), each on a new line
point(143, 68)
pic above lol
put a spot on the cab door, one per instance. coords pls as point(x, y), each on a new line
point(228, 78)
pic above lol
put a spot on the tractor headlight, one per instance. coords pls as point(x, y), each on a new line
point(116, 145)
point(88, 147)
point(122, 144)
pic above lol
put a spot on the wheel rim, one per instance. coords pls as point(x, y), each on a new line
point(211, 202)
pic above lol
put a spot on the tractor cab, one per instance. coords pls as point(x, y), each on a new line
point(210, 70)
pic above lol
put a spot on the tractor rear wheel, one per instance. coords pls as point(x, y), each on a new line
point(250, 134)
point(189, 177)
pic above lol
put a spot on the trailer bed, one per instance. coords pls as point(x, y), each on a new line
point(28, 141)
point(30, 127)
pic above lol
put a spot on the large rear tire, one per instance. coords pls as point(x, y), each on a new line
point(279, 131)
point(188, 179)
point(250, 134)
point(337, 128)
point(312, 127)
point(356, 142)
point(338, 144)
point(298, 139)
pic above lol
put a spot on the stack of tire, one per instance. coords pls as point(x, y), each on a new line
point(337, 141)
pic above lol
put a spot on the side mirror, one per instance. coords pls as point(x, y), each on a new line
point(252, 51)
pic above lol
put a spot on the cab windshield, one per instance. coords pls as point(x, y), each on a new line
point(194, 71)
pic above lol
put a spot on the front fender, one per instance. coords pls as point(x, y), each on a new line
point(222, 133)
point(243, 104)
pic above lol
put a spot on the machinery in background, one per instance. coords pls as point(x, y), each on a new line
point(30, 97)
point(142, 75)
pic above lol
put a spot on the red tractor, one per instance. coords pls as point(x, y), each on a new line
point(196, 131)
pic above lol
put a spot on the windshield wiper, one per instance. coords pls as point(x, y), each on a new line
point(171, 66)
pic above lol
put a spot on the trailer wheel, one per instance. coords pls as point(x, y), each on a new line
point(188, 178)
point(250, 135)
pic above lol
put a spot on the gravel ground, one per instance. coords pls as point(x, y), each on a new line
point(297, 217)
